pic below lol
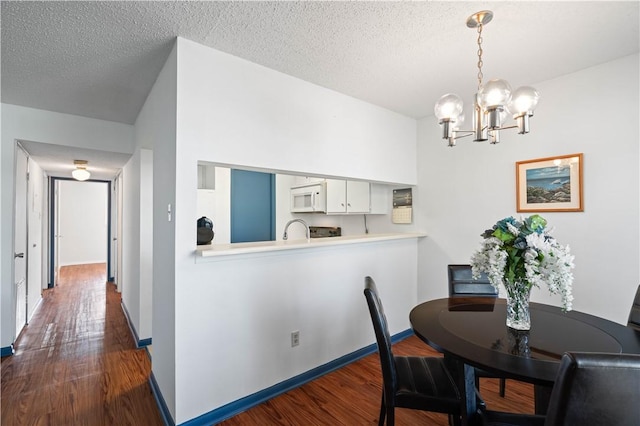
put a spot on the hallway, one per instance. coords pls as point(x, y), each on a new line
point(76, 362)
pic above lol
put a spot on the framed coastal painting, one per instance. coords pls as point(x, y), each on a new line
point(551, 184)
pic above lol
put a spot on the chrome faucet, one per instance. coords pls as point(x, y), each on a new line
point(286, 227)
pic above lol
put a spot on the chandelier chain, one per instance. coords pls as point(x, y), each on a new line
point(480, 75)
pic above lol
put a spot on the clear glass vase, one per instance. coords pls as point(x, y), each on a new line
point(518, 316)
point(518, 341)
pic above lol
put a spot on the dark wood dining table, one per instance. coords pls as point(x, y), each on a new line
point(472, 332)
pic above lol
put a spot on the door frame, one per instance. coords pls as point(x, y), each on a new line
point(53, 204)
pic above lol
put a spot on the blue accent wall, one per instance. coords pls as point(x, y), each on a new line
point(252, 206)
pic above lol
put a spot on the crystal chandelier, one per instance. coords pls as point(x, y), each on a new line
point(493, 102)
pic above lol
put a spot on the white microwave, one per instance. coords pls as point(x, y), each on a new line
point(311, 198)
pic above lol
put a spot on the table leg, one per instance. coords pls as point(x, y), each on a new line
point(465, 377)
point(542, 396)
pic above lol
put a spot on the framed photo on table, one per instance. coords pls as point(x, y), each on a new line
point(552, 184)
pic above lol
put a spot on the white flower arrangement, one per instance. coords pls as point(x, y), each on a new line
point(522, 254)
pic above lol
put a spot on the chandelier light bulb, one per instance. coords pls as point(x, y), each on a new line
point(494, 93)
point(523, 101)
point(448, 107)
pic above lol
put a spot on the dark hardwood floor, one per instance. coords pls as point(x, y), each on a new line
point(351, 396)
point(76, 364)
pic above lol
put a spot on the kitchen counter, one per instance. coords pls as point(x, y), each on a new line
point(218, 250)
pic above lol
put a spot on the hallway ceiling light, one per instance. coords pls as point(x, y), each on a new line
point(493, 102)
point(80, 173)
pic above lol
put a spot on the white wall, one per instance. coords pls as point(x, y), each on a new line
point(231, 111)
point(156, 129)
point(137, 241)
point(130, 243)
point(247, 307)
point(146, 243)
point(20, 123)
point(466, 189)
point(234, 112)
point(83, 222)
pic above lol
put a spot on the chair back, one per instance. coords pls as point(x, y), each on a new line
point(383, 339)
point(461, 282)
point(634, 315)
point(596, 389)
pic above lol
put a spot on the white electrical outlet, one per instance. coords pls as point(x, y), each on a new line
point(295, 338)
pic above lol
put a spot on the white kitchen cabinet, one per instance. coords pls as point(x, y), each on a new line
point(380, 199)
point(347, 196)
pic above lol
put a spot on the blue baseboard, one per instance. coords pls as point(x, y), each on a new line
point(243, 404)
point(162, 405)
point(144, 342)
point(139, 343)
point(6, 351)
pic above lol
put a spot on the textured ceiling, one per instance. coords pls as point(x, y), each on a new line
point(100, 59)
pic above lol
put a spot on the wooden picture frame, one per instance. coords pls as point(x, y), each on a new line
point(552, 184)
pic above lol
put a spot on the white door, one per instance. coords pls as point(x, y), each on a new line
point(56, 229)
point(20, 239)
point(35, 191)
point(115, 231)
point(119, 255)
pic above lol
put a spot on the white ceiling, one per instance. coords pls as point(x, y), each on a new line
point(57, 160)
point(100, 59)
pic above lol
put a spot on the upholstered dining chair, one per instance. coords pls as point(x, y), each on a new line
point(462, 283)
point(419, 383)
point(634, 315)
point(595, 389)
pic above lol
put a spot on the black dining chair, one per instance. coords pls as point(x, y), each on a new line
point(595, 389)
point(462, 283)
point(634, 315)
point(418, 383)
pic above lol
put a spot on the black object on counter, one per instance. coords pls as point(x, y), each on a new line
point(205, 231)
point(325, 231)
